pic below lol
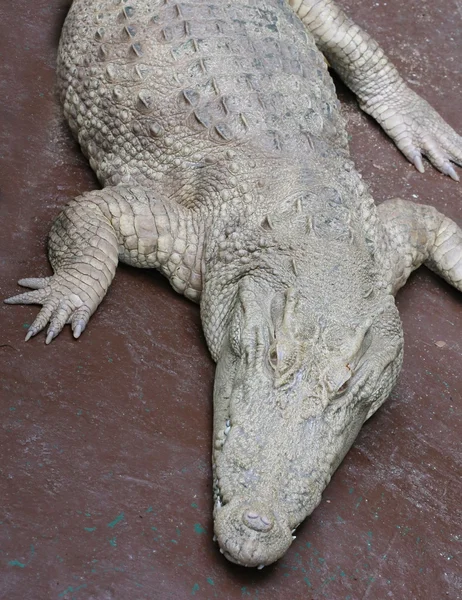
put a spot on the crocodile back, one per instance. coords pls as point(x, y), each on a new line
point(152, 88)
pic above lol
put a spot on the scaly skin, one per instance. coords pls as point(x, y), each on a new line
point(408, 119)
point(215, 132)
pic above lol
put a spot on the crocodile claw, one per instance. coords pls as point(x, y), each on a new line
point(417, 161)
point(418, 130)
point(448, 169)
point(62, 302)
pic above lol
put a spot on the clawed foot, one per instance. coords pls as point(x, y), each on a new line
point(64, 300)
point(418, 130)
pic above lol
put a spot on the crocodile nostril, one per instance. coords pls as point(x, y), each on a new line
point(257, 521)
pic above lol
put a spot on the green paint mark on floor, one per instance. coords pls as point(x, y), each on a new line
point(16, 563)
point(210, 580)
point(90, 528)
point(360, 499)
point(113, 542)
point(195, 589)
point(71, 589)
point(113, 523)
point(150, 509)
point(198, 528)
point(193, 504)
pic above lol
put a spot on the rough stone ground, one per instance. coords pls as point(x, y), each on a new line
point(105, 444)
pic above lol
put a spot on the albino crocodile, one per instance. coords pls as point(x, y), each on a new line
point(216, 134)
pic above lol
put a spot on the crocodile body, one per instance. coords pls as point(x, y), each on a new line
point(216, 134)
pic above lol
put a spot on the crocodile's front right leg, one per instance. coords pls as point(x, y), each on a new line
point(415, 127)
point(89, 237)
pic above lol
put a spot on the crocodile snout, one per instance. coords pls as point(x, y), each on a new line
point(250, 533)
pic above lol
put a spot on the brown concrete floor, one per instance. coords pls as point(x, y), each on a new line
point(105, 486)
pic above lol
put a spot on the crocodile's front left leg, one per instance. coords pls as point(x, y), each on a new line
point(89, 237)
point(415, 127)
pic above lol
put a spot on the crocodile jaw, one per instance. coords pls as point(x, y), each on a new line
point(280, 434)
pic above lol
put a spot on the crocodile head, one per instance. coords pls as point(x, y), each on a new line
point(293, 387)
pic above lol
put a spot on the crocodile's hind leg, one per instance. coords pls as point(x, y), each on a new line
point(415, 127)
point(89, 237)
point(413, 234)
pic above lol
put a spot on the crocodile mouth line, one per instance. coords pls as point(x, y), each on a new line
point(219, 442)
point(218, 500)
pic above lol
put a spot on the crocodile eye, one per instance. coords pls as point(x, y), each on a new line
point(273, 357)
point(342, 388)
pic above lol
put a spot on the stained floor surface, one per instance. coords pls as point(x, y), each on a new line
point(105, 443)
